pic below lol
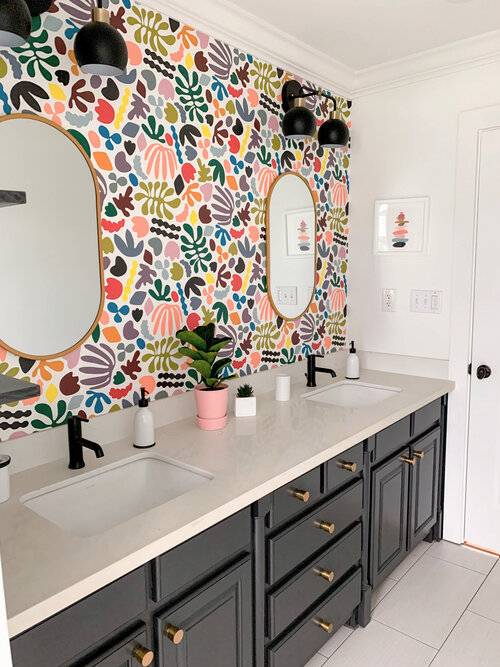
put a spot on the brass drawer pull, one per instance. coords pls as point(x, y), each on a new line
point(419, 455)
point(303, 496)
point(345, 465)
point(327, 575)
point(327, 526)
point(324, 625)
point(176, 635)
point(143, 655)
point(410, 462)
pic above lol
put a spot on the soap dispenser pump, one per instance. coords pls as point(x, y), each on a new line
point(144, 426)
point(352, 370)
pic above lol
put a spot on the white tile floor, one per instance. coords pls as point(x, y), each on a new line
point(440, 607)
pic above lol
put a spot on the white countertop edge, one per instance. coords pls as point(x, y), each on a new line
point(65, 598)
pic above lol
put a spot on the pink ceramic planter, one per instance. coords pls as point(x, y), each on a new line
point(211, 407)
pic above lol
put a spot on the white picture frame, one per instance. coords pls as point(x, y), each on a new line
point(300, 232)
point(401, 225)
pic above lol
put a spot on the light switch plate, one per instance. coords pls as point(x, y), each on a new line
point(388, 300)
point(426, 301)
point(287, 296)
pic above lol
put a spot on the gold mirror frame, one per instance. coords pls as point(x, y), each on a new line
point(41, 119)
point(268, 249)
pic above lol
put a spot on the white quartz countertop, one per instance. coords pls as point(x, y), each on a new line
point(46, 569)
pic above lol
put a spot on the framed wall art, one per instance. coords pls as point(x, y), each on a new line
point(401, 225)
point(300, 232)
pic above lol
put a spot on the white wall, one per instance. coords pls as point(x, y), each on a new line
point(405, 144)
point(5, 659)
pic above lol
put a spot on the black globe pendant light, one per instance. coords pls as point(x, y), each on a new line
point(38, 7)
point(299, 122)
point(15, 23)
point(334, 133)
point(100, 48)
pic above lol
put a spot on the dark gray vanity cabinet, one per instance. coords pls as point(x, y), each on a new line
point(213, 626)
point(424, 486)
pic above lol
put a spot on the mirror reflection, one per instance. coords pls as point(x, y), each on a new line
point(50, 244)
point(291, 245)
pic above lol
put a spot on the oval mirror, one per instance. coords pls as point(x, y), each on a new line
point(291, 245)
point(50, 240)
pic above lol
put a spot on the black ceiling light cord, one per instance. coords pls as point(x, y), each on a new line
point(99, 47)
point(300, 123)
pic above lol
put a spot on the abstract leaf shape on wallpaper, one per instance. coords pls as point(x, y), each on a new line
point(28, 92)
point(335, 324)
point(161, 162)
point(189, 133)
point(103, 361)
point(127, 247)
point(52, 419)
point(220, 59)
point(307, 327)
point(151, 29)
point(194, 246)
point(191, 94)
point(265, 336)
point(37, 54)
point(223, 206)
point(163, 355)
point(266, 78)
point(157, 199)
point(79, 10)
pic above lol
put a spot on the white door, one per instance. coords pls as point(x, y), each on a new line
point(482, 520)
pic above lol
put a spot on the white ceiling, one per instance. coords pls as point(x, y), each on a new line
point(364, 33)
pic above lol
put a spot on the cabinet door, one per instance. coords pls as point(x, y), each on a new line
point(212, 627)
point(389, 516)
point(424, 486)
point(132, 652)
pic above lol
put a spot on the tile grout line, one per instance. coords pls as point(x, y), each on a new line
point(419, 641)
point(486, 618)
point(342, 642)
point(470, 569)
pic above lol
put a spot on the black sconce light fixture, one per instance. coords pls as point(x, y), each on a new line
point(15, 20)
point(99, 47)
point(299, 123)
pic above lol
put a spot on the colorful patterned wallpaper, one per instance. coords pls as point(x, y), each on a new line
point(186, 146)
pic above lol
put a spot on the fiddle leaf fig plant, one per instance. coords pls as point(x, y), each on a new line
point(203, 351)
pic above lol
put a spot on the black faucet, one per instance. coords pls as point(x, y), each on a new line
point(76, 443)
point(312, 369)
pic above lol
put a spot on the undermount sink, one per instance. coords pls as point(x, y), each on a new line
point(97, 501)
point(352, 394)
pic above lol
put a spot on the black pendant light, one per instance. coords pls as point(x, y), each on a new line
point(15, 23)
point(100, 48)
point(38, 7)
point(334, 133)
point(299, 122)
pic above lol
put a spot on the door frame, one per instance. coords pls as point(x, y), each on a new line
point(471, 127)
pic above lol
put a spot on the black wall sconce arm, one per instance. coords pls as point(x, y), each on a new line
point(12, 198)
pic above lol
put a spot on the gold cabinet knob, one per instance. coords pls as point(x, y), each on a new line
point(175, 634)
point(345, 465)
point(303, 496)
point(410, 462)
point(419, 455)
point(143, 655)
point(327, 575)
point(324, 625)
point(327, 526)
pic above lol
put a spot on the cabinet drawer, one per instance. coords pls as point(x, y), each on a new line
point(290, 547)
point(303, 642)
point(392, 438)
point(195, 558)
point(125, 653)
point(426, 418)
point(299, 593)
point(344, 467)
point(68, 634)
point(296, 496)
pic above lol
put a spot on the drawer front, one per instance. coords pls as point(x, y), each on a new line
point(83, 625)
point(294, 597)
point(195, 558)
point(303, 642)
point(289, 548)
point(345, 467)
point(126, 653)
point(296, 496)
point(426, 418)
point(392, 438)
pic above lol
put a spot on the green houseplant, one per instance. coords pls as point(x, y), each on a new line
point(245, 403)
point(202, 347)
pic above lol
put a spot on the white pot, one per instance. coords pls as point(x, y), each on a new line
point(245, 407)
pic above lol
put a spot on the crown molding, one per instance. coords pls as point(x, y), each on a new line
point(442, 61)
point(229, 23)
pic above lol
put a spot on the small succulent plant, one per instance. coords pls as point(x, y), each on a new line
point(245, 391)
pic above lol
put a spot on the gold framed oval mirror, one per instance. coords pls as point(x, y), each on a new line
point(291, 225)
point(51, 267)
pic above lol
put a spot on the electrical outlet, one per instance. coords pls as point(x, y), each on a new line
point(388, 300)
point(426, 301)
point(287, 296)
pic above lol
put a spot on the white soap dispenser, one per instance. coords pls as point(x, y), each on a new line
point(352, 370)
point(144, 426)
